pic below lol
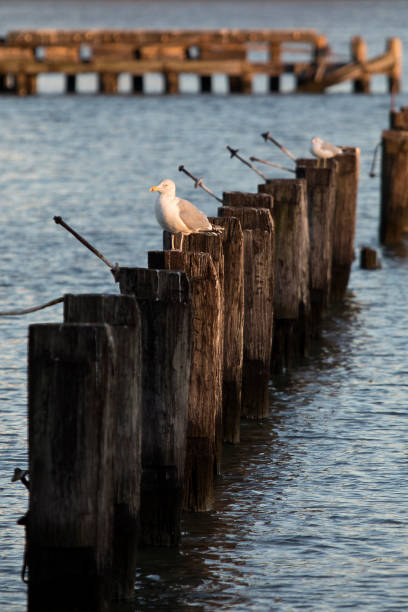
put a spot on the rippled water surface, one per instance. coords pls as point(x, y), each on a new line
point(310, 510)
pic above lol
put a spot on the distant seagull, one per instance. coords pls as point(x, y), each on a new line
point(324, 150)
point(177, 215)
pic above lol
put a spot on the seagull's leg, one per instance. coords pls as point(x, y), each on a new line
point(181, 242)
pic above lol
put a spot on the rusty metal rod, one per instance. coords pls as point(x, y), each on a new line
point(199, 183)
point(16, 313)
point(269, 163)
point(234, 153)
point(372, 173)
point(267, 136)
point(60, 221)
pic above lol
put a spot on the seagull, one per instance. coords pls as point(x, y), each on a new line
point(177, 215)
point(324, 150)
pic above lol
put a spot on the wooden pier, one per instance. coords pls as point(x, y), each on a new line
point(132, 397)
point(238, 54)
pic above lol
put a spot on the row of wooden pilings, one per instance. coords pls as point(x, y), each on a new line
point(132, 397)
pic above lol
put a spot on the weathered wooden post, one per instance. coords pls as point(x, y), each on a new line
point(233, 289)
point(253, 212)
point(368, 259)
point(212, 244)
point(137, 83)
point(71, 416)
point(171, 82)
point(291, 338)
point(205, 402)
point(321, 197)
point(344, 224)
point(394, 48)
point(108, 83)
point(165, 306)
point(394, 179)
point(226, 251)
point(70, 83)
point(359, 55)
point(122, 314)
point(26, 84)
point(275, 58)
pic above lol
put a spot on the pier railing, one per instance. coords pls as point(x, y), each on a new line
point(239, 54)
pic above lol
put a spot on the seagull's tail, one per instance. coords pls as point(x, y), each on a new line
point(214, 231)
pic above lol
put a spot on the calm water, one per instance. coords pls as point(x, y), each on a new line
point(311, 507)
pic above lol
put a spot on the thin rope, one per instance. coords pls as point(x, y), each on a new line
point(16, 313)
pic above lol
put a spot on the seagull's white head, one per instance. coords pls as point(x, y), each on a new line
point(316, 140)
point(167, 187)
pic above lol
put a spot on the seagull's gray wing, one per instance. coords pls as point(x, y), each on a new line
point(193, 218)
point(328, 146)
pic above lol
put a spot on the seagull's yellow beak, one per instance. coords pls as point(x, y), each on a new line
point(154, 188)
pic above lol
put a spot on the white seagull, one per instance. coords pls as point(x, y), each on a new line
point(176, 215)
point(324, 150)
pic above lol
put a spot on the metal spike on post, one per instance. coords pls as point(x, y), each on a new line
point(269, 163)
point(234, 153)
point(372, 173)
point(267, 136)
point(114, 268)
point(199, 183)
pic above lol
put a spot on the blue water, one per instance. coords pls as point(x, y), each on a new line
point(310, 510)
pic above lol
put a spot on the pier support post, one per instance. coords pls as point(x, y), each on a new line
point(108, 83)
point(394, 46)
point(394, 184)
point(171, 83)
point(206, 83)
point(71, 440)
point(359, 55)
point(344, 224)
point(137, 84)
point(291, 338)
point(275, 58)
point(233, 249)
point(122, 314)
point(165, 307)
point(26, 84)
point(258, 232)
point(213, 245)
point(205, 402)
point(321, 199)
point(232, 289)
point(70, 83)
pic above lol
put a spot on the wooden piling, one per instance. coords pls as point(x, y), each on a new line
point(205, 402)
point(71, 439)
point(344, 224)
point(233, 290)
point(108, 83)
point(171, 82)
point(137, 84)
point(359, 55)
point(369, 259)
point(321, 198)
point(258, 230)
point(121, 312)
point(394, 183)
point(229, 264)
point(70, 83)
point(211, 244)
point(165, 306)
point(394, 48)
point(291, 338)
